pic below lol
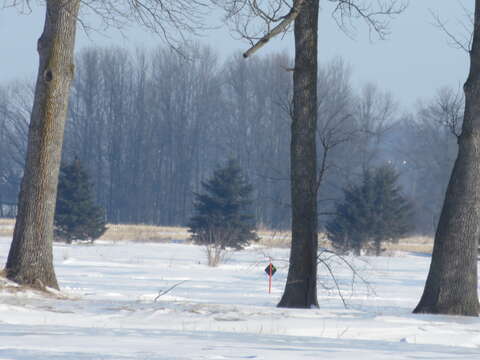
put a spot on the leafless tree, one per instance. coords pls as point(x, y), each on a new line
point(336, 121)
point(259, 22)
point(451, 286)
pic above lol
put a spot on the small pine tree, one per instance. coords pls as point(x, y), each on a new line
point(76, 215)
point(371, 213)
point(223, 216)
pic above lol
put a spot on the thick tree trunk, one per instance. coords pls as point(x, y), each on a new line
point(451, 286)
point(30, 260)
point(301, 286)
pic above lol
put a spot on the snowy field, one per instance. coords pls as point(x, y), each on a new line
point(225, 312)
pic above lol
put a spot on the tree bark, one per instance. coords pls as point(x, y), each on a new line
point(30, 260)
point(451, 286)
point(301, 287)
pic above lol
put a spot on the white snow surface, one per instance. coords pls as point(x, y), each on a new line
point(224, 312)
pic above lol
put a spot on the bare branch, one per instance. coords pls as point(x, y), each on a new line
point(23, 6)
point(326, 258)
point(163, 292)
point(455, 40)
point(446, 110)
point(259, 22)
point(376, 14)
point(280, 28)
point(170, 19)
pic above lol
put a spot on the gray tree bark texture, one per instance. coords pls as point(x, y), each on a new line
point(301, 287)
point(30, 260)
point(451, 286)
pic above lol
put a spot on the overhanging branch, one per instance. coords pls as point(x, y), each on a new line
point(280, 28)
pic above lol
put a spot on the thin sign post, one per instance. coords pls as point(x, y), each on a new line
point(270, 270)
point(270, 279)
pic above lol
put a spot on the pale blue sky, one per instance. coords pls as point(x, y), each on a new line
point(416, 59)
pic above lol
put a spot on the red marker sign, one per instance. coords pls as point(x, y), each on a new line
point(270, 270)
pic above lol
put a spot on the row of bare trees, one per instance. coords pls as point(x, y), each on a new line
point(150, 126)
point(15, 105)
point(150, 150)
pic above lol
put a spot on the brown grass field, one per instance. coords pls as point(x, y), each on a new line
point(6, 227)
point(268, 238)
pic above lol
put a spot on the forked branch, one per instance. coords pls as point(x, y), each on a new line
point(280, 28)
point(260, 21)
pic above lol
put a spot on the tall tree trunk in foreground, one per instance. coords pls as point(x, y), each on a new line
point(301, 286)
point(451, 286)
point(30, 260)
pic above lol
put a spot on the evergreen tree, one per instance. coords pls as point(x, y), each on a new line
point(223, 215)
point(76, 215)
point(373, 212)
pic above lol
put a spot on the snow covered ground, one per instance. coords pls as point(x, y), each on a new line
point(224, 312)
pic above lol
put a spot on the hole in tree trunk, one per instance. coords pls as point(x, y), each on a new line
point(48, 76)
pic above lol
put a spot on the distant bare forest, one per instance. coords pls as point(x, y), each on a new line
point(151, 125)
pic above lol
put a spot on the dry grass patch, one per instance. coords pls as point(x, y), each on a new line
point(115, 232)
point(420, 244)
point(272, 238)
point(282, 239)
point(6, 232)
point(144, 233)
point(268, 238)
point(6, 226)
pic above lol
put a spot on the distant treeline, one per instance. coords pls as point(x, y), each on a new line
point(149, 126)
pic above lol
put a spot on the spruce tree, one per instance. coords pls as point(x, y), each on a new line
point(372, 212)
point(77, 217)
point(223, 211)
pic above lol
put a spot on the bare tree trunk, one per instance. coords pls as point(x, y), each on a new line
point(451, 286)
point(301, 286)
point(30, 260)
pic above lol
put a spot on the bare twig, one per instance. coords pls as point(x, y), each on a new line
point(325, 257)
point(332, 275)
point(163, 292)
point(376, 14)
point(259, 22)
point(170, 19)
point(280, 28)
point(455, 40)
